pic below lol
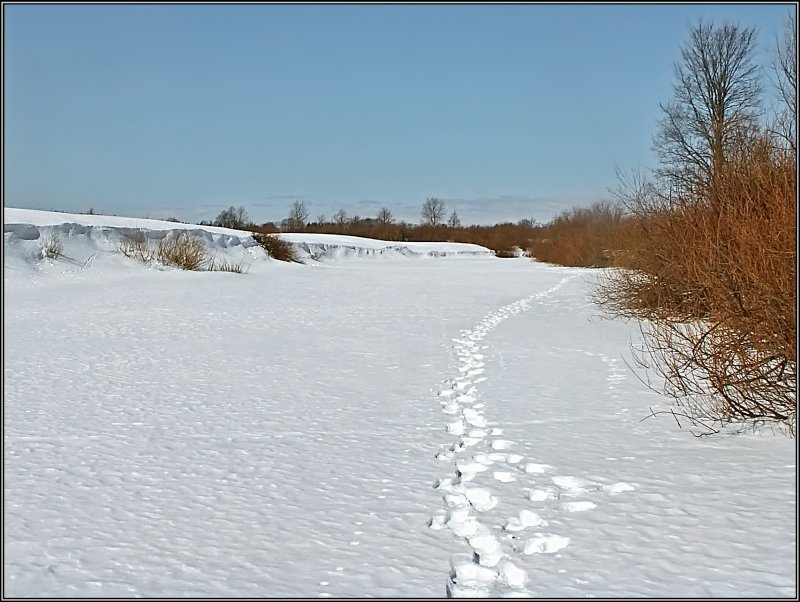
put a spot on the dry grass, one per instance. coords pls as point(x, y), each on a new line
point(179, 251)
point(52, 248)
point(182, 252)
point(223, 265)
point(136, 246)
point(276, 247)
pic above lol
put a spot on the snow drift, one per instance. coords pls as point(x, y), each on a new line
point(86, 237)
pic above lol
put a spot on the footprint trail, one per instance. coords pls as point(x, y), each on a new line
point(482, 466)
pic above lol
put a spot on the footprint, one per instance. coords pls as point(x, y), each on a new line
point(540, 495)
point(456, 500)
point(617, 488)
point(484, 459)
point(467, 467)
point(480, 498)
point(534, 468)
point(578, 506)
point(450, 408)
point(474, 417)
point(456, 428)
point(502, 444)
point(461, 522)
point(437, 522)
point(488, 551)
point(469, 580)
point(511, 575)
point(504, 476)
point(526, 518)
point(445, 455)
point(545, 543)
point(445, 484)
point(574, 485)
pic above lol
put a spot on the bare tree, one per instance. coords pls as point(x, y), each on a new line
point(385, 216)
point(340, 218)
point(453, 221)
point(786, 72)
point(232, 218)
point(715, 104)
point(298, 217)
point(433, 211)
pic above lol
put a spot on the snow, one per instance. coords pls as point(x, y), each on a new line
point(18, 223)
point(403, 425)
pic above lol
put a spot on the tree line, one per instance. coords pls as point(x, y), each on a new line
point(436, 224)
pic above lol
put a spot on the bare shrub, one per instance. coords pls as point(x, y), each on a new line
point(714, 279)
point(182, 252)
point(276, 247)
point(136, 246)
point(52, 248)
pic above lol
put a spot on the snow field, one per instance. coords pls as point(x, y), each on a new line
point(278, 433)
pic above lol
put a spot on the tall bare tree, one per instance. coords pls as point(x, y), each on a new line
point(433, 211)
point(786, 72)
point(454, 221)
point(715, 105)
point(298, 217)
point(340, 218)
point(385, 216)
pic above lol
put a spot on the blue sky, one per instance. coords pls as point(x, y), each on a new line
point(504, 111)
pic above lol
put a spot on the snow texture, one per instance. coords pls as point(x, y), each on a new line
point(416, 423)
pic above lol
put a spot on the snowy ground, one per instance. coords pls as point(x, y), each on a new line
point(382, 422)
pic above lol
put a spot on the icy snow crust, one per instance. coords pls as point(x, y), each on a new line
point(416, 427)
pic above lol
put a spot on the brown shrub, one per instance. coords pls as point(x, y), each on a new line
point(581, 237)
point(182, 252)
point(276, 247)
point(713, 274)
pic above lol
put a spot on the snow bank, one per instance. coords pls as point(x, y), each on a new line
point(87, 237)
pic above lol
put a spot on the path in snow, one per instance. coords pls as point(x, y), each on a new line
point(483, 461)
